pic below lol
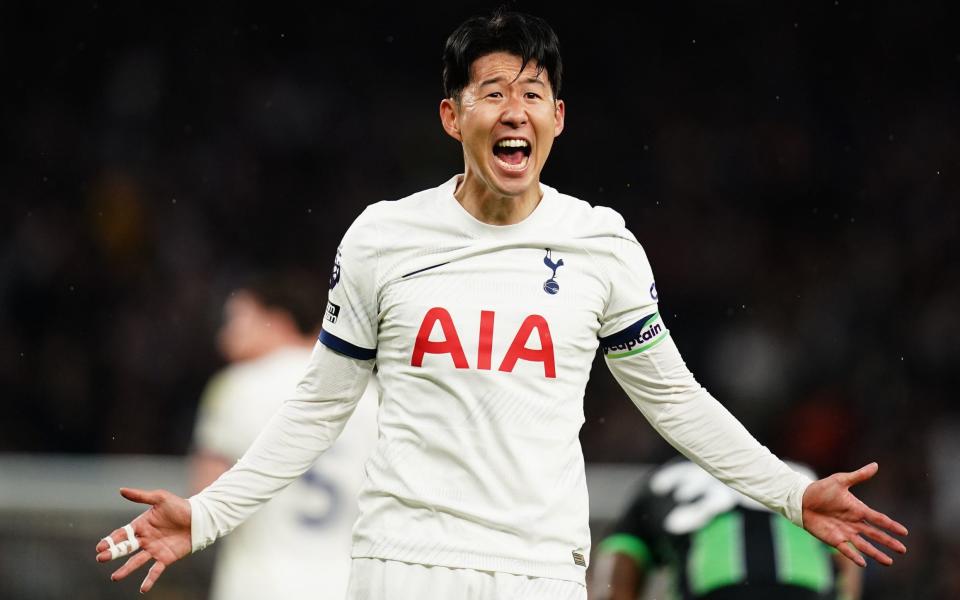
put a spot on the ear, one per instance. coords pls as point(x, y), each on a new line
point(558, 117)
point(450, 118)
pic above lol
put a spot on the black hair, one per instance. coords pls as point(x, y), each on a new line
point(529, 37)
point(293, 291)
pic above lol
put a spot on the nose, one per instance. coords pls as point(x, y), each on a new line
point(514, 112)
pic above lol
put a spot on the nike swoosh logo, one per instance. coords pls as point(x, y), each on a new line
point(424, 269)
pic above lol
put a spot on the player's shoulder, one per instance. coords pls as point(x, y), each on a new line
point(398, 208)
point(284, 359)
point(381, 218)
point(275, 364)
point(220, 388)
point(587, 220)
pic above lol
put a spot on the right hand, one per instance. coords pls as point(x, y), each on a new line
point(833, 514)
point(163, 531)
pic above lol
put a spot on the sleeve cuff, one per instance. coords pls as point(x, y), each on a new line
point(199, 539)
point(794, 504)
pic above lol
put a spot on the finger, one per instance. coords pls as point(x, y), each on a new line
point(847, 550)
point(135, 562)
point(142, 496)
point(881, 520)
point(103, 546)
point(880, 536)
point(128, 545)
point(860, 475)
point(151, 577)
point(117, 535)
point(867, 548)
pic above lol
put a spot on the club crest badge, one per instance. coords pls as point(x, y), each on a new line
point(551, 286)
point(335, 275)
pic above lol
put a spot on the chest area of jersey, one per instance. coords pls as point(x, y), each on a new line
point(532, 311)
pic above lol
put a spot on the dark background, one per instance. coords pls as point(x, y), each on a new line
point(791, 170)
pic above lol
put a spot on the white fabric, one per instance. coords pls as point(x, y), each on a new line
point(478, 463)
point(300, 541)
point(376, 579)
point(127, 546)
point(301, 429)
point(688, 417)
point(700, 496)
point(133, 544)
point(114, 551)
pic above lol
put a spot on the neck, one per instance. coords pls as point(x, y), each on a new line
point(487, 206)
point(282, 338)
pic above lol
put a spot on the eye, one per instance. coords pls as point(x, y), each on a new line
point(532, 95)
point(495, 95)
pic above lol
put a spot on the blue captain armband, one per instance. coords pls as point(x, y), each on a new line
point(346, 348)
point(639, 337)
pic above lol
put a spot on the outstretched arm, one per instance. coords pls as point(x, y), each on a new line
point(687, 416)
point(298, 433)
point(303, 428)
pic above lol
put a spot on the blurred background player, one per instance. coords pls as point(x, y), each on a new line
point(297, 545)
point(716, 544)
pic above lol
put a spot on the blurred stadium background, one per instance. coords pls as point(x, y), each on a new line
point(789, 170)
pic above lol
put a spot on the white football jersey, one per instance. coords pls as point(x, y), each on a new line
point(484, 337)
point(298, 544)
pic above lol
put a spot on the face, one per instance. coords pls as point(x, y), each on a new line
point(245, 324)
point(506, 123)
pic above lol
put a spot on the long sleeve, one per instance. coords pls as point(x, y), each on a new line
point(304, 426)
point(692, 421)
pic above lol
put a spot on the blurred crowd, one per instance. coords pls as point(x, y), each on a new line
point(789, 172)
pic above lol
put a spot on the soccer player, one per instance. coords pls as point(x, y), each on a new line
point(300, 541)
point(482, 303)
point(717, 544)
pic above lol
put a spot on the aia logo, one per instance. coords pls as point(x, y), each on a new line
point(551, 286)
point(518, 350)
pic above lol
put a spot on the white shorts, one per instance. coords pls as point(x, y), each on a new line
point(378, 579)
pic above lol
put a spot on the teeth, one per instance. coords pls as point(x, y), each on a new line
point(512, 144)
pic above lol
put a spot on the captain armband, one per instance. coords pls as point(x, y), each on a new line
point(639, 337)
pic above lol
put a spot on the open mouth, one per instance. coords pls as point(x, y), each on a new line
point(512, 154)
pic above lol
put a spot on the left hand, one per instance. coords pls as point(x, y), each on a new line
point(833, 514)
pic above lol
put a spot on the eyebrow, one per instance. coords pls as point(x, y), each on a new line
point(499, 79)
